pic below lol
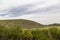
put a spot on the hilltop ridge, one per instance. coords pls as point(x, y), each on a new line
point(20, 23)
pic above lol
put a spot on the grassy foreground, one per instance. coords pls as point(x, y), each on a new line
point(15, 33)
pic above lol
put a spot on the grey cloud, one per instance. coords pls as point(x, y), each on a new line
point(23, 10)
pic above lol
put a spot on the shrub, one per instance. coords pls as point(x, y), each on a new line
point(15, 33)
point(55, 33)
point(27, 35)
point(39, 35)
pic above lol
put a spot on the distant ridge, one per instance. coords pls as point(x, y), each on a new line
point(54, 24)
point(20, 23)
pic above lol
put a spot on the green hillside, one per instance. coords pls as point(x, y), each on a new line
point(11, 30)
point(20, 23)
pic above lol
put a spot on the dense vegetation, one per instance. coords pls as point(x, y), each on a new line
point(16, 33)
point(28, 30)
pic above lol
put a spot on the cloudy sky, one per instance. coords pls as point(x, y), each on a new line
point(42, 11)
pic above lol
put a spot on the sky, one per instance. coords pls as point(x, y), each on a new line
point(41, 11)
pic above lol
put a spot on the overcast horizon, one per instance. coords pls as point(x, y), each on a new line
point(41, 11)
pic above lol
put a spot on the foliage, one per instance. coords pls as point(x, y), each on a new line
point(16, 33)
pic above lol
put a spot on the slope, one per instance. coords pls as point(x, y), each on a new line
point(20, 23)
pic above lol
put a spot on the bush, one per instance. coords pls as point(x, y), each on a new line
point(40, 35)
point(15, 33)
point(27, 35)
point(55, 33)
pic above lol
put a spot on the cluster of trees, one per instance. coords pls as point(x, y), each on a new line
point(15, 33)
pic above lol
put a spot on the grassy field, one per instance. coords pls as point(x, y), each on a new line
point(41, 28)
point(43, 33)
point(28, 30)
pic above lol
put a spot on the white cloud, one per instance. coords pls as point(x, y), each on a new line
point(10, 3)
point(43, 18)
point(43, 11)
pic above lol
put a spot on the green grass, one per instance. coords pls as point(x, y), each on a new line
point(41, 28)
point(28, 30)
point(43, 33)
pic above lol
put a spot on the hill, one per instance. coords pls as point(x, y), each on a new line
point(20, 23)
point(54, 24)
